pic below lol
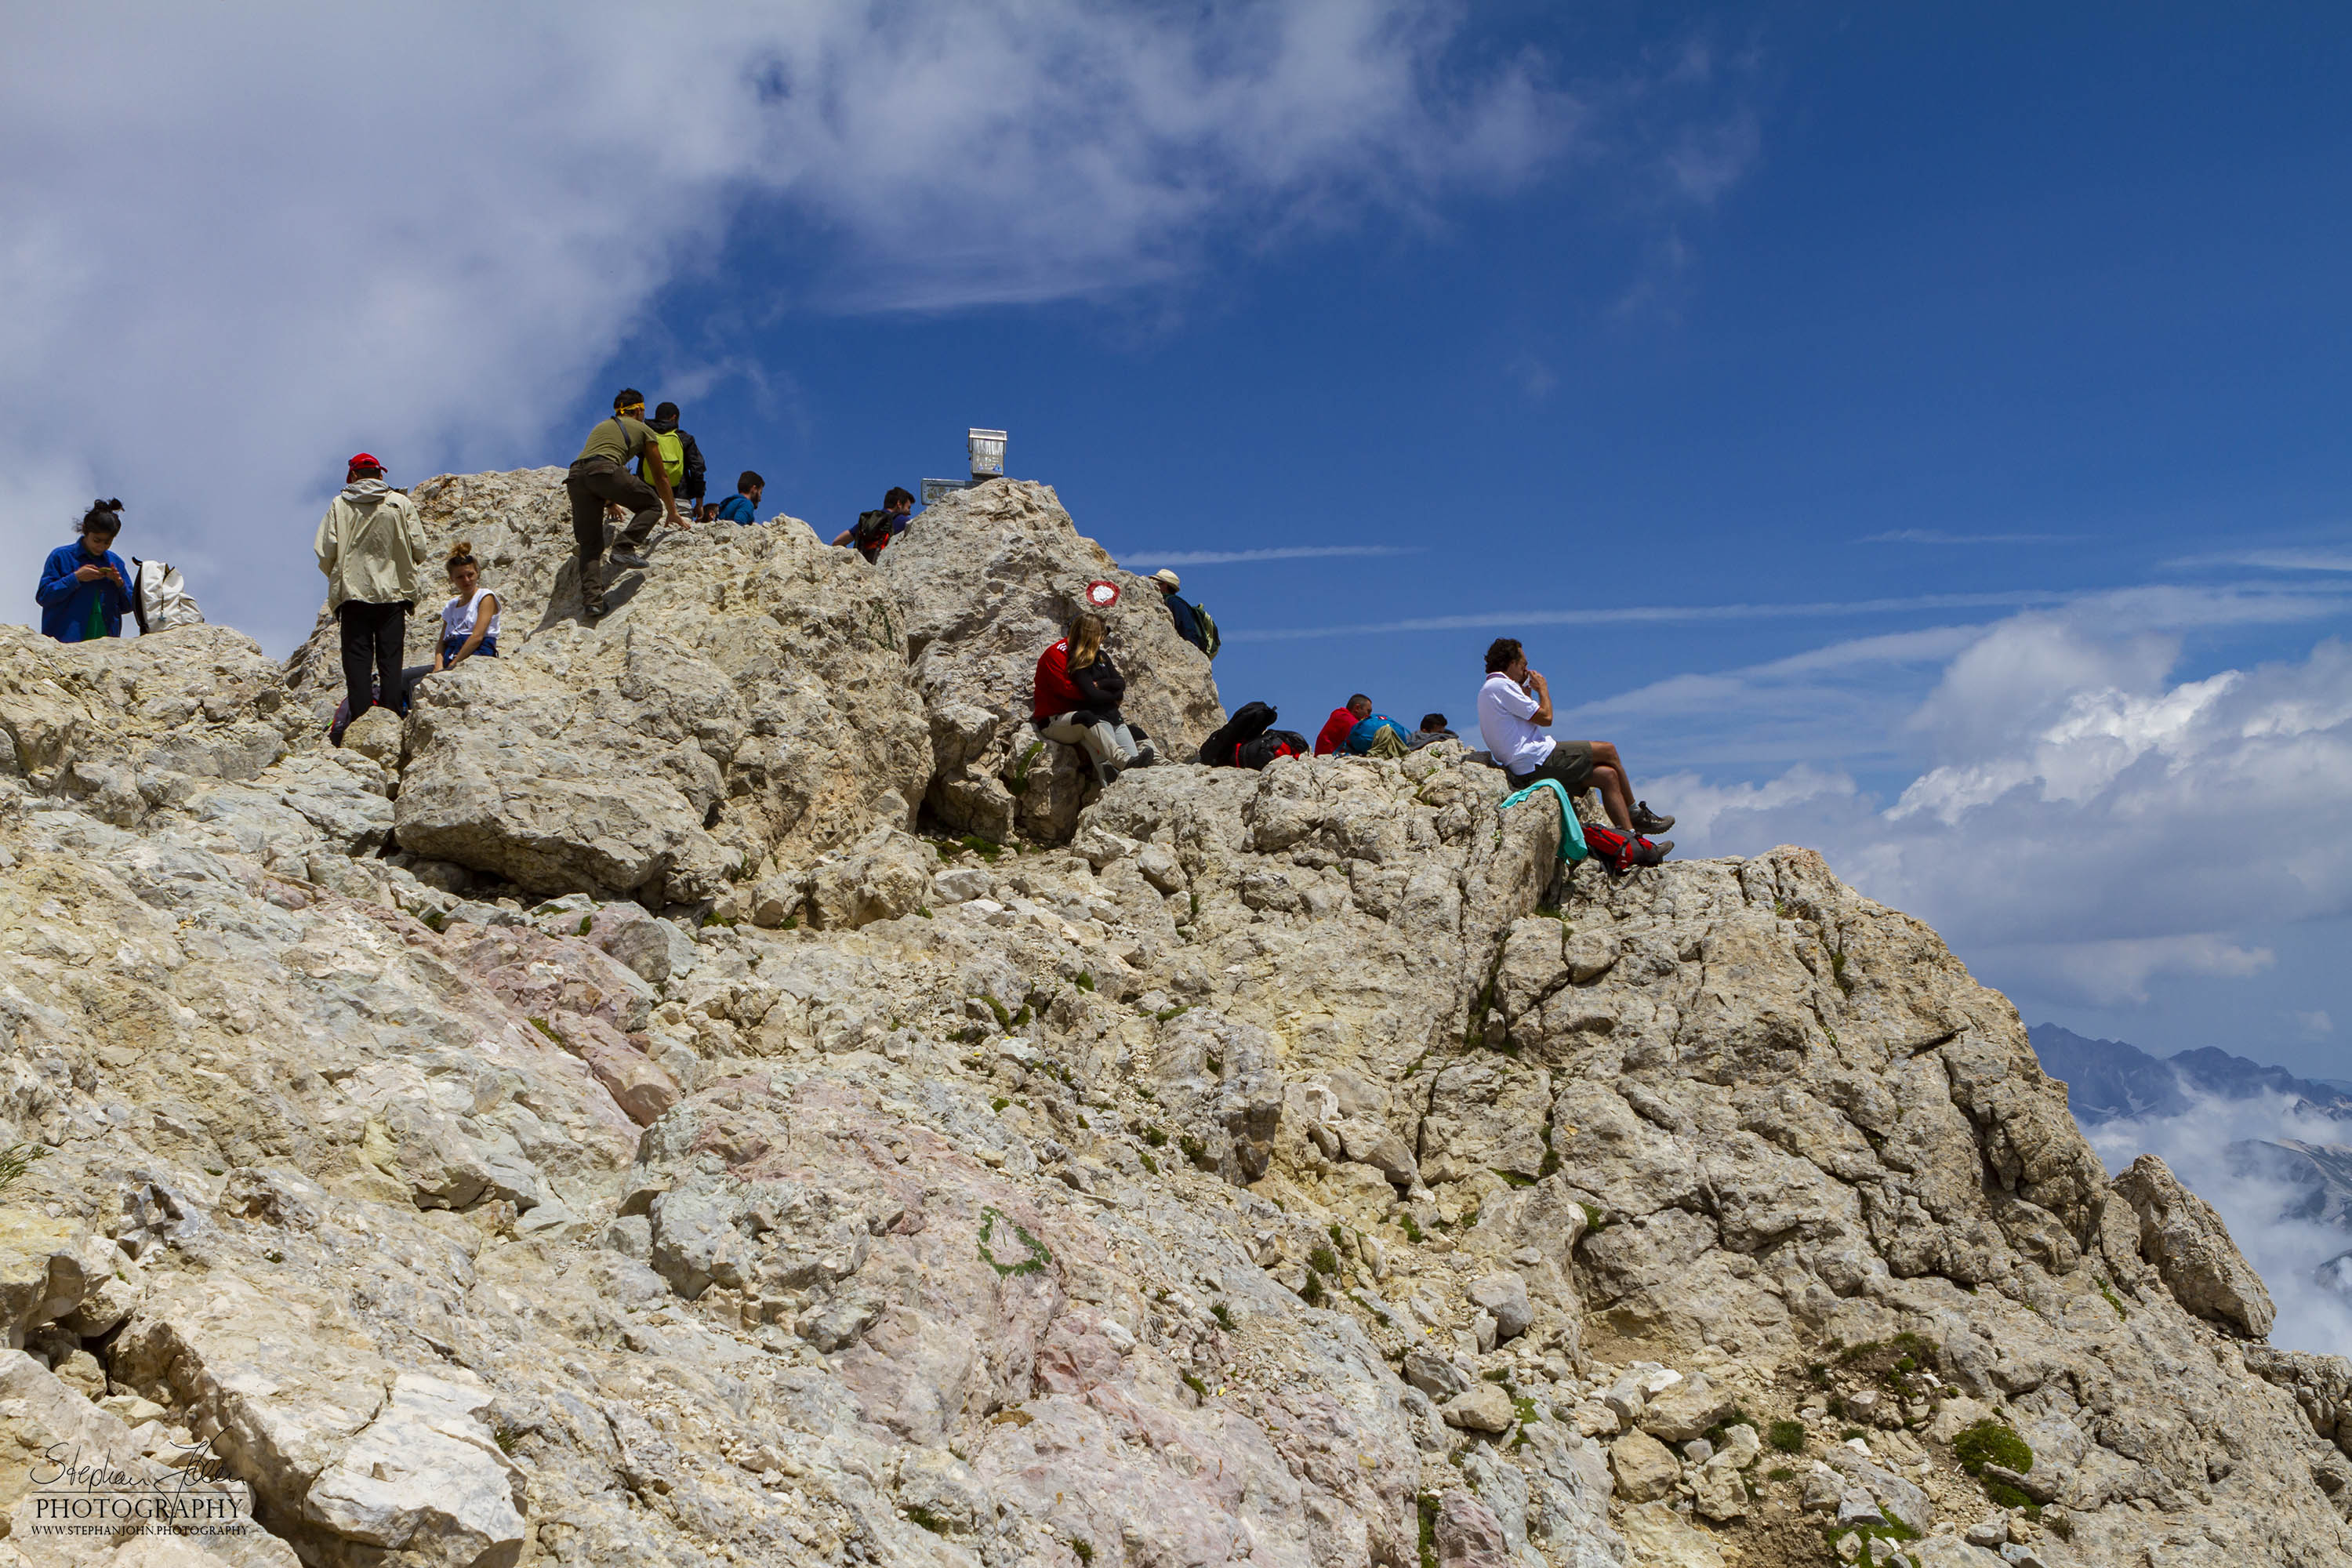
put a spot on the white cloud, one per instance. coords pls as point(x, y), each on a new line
point(2116, 971)
point(1141, 559)
point(1508, 616)
point(244, 241)
point(2316, 1024)
point(2275, 560)
point(1703, 810)
point(1936, 536)
point(2077, 823)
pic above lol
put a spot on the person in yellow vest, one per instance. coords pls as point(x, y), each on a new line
point(601, 474)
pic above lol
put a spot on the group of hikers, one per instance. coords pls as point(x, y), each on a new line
point(372, 547)
point(1078, 691)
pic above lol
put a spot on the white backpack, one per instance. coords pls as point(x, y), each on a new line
point(159, 598)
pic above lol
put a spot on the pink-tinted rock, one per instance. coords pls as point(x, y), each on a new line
point(1468, 1534)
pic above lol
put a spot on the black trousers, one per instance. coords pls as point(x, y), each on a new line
point(372, 635)
point(591, 482)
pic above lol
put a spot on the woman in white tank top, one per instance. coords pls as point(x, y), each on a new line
point(469, 623)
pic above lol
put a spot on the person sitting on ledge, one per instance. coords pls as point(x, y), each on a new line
point(1432, 728)
point(469, 622)
point(1342, 722)
point(1514, 706)
point(1076, 700)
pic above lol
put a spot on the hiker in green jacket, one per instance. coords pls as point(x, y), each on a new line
point(601, 474)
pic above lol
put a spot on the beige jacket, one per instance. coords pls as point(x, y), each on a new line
point(370, 545)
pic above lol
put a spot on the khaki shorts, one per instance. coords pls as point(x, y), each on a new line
point(1570, 763)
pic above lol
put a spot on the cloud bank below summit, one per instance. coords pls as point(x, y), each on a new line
point(2076, 821)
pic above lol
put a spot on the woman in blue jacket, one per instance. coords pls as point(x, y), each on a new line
point(85, 589)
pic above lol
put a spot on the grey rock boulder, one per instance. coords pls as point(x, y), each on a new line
point(1505, 1296)
point(1645, 1467)
point(2190, 1248)
point(1685, 1410)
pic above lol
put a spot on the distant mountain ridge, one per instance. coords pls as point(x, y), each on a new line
point(2108, 1079)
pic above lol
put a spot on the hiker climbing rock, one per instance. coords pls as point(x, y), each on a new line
point(1515, 707)
point(1193, 623)
point(874, 531)
point(601, 474)
point(85, 589)
point(1077, 701)
point(370, 545)
point(469, 622)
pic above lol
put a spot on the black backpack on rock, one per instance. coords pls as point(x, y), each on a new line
point(1222, 748)
point(1255, 754)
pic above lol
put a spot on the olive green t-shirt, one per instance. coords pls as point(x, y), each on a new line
point(619, 439)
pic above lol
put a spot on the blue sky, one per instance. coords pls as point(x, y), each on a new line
point(1912, 434)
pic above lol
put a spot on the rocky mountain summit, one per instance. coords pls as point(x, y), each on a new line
point(704, 1090)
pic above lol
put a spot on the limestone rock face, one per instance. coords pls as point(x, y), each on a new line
point(989, 577)
point(123, 726)
point(747, 698)
point(1255, 1174)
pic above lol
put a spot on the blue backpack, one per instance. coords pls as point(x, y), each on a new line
point(1360, 738)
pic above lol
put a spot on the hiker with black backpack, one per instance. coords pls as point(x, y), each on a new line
point(679, 456)
point(1077, 698)
point(601, 474)
point(874, 531)
point(1515, 707)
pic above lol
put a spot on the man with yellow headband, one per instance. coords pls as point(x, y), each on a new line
point(601, 474)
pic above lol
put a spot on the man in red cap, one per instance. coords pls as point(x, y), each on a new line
point(370, 545)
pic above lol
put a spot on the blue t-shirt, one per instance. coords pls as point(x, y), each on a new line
point(71, 609)
point(737, 509)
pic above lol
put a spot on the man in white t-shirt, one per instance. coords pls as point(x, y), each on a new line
point(1514, 707)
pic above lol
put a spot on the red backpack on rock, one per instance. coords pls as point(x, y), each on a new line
point(1619, 850)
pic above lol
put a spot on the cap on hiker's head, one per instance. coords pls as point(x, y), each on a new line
point(1168, 577)
point(629, 397)
point(363, 461)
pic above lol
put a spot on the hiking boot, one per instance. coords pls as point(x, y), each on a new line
point(1656, 851)
point(1646, 821)
point(1144, 757)
point(629, 559)
point(1105, 774)
point(593, 610)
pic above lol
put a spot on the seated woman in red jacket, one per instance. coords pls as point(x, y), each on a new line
point(1077, 701)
